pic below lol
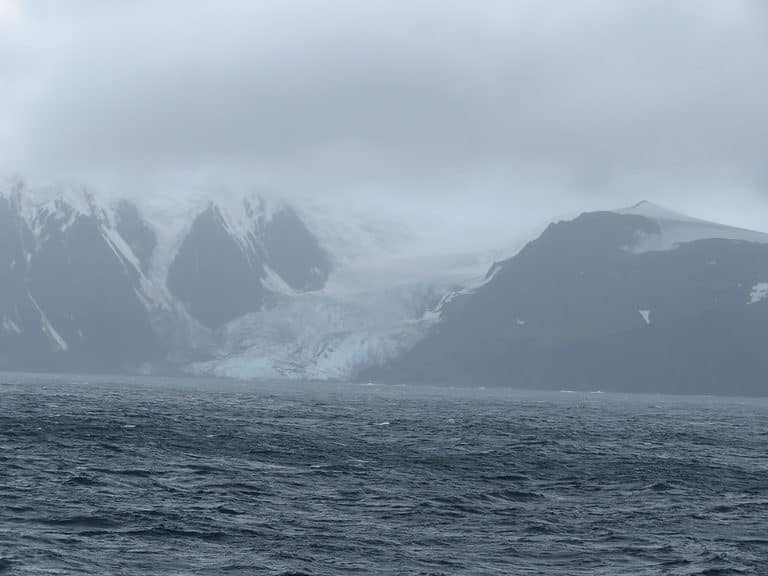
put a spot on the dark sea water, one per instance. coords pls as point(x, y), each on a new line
point(110, 476)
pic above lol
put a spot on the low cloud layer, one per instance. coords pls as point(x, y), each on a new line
point(486, 117)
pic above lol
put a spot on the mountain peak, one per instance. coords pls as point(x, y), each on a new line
point(654, 211)
point(61, 202)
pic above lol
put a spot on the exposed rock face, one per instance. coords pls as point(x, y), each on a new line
point(588, 306)
point(213, 275)
point(139, 236)
point(293, 253)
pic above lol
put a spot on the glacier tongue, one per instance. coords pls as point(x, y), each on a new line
point(319, 336)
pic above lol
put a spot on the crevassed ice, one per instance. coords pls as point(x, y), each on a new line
point(321, 337)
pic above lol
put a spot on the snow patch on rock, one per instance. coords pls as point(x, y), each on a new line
point(10, 326)
point(759, 292)
point(59, 344)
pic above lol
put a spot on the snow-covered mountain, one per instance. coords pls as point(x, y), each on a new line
point(234, 285)
point(641, 299)
point(91, 284)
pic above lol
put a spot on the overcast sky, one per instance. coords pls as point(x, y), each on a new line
point(476, 119)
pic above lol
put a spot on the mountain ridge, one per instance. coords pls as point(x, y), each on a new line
point(562, 311)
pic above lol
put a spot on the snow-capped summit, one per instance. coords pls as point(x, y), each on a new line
point(653, 211)
point(61, 204)
point(675, 228)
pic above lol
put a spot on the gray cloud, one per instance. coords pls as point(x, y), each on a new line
point(491, 115)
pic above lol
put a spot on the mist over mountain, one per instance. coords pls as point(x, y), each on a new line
point(640, 299)
point(236, 286)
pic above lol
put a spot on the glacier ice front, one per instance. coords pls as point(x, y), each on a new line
point(321, 336)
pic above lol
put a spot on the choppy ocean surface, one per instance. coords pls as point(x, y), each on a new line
point(143, 476)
